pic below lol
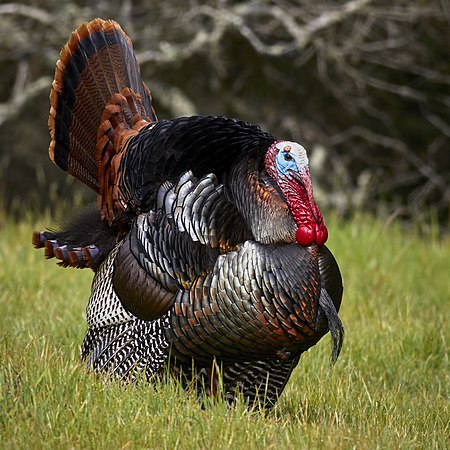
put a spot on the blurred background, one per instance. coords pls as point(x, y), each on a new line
point(363, 85)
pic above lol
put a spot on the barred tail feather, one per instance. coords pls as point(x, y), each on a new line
point(95, 65)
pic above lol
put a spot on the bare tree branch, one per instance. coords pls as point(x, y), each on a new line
point(27, 11)
point(10, 109)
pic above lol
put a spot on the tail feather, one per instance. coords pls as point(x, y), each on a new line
point(67, 255)
point(122, 118)
point(96, 64)
point(81, 240)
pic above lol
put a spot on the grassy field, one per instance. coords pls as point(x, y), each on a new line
point(389, 388)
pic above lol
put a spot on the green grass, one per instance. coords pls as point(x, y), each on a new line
point(389, 388)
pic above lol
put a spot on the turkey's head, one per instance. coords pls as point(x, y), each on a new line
point(287, 164)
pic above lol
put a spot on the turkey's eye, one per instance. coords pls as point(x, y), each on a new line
point(287, 157)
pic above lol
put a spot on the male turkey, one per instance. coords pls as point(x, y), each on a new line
point(207, 245)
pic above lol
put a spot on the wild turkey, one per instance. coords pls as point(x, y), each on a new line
point(206, 243)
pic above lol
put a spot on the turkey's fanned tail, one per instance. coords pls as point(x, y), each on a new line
point(98, 100)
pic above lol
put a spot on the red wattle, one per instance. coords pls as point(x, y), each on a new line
point(321, 235)
point(305, 235)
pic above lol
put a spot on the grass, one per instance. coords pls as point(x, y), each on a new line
point(389, 388)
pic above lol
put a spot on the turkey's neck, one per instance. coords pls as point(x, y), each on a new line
point(304, 209)
point(261, 203)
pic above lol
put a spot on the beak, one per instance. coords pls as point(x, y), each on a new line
point(302, 177)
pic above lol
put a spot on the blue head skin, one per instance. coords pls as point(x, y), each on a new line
point(291, 157)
